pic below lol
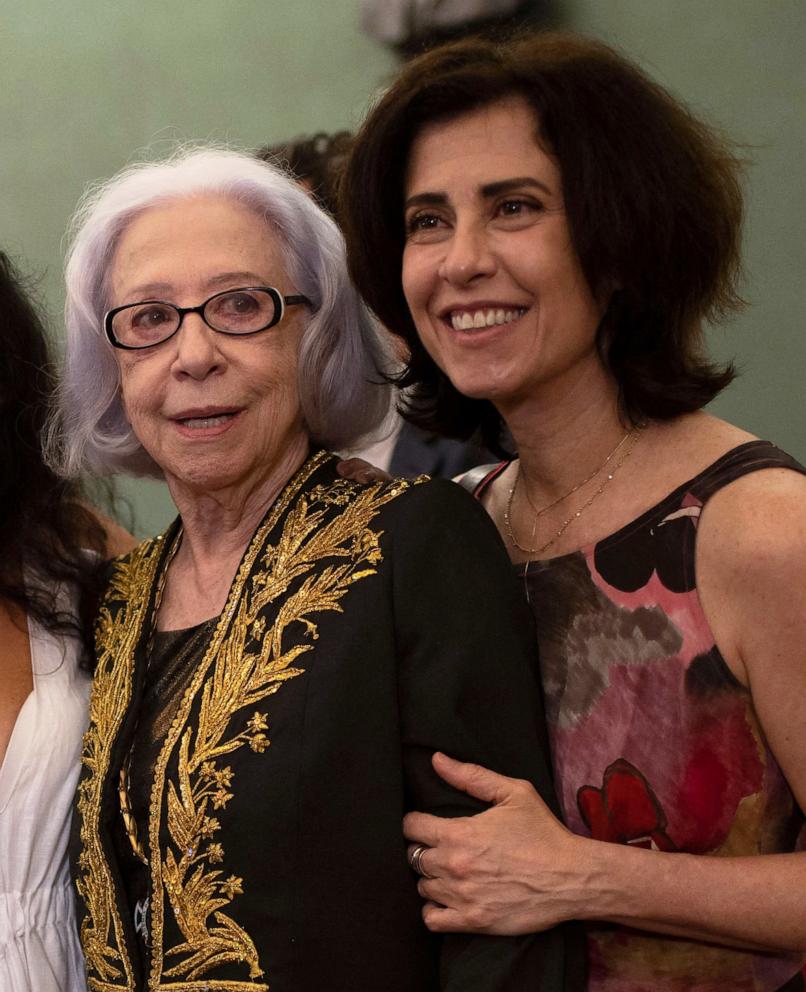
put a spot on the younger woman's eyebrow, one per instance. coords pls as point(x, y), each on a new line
point(488, 190)
point(426, 200)
point(510, 185)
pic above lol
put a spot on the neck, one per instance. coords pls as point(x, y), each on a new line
point(218, 523)
point(564, 430)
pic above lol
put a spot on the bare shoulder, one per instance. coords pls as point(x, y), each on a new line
point(691, 443)
point(118, 540)
point(751, 571)
point(758, 518)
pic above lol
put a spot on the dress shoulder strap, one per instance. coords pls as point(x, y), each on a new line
point(746, 458)
point(476, 480)
point(742, 460)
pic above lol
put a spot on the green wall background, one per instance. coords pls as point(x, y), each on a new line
point(85, 88)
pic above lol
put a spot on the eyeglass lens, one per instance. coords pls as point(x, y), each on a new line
point(241, 311)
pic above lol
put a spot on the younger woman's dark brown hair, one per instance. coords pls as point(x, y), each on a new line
point(48, 535)
point(652, 196)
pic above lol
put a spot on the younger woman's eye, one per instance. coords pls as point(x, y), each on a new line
point(517, 206)
point(421, 222)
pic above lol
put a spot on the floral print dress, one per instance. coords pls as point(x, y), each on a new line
point(655, 743)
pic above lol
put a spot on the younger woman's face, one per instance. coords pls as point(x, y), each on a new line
point(490, 274)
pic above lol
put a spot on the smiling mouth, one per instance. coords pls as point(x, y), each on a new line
point(468, 320)
point(206, 423)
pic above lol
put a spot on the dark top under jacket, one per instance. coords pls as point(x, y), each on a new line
point(367, 627)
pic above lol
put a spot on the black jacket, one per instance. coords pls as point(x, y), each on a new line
point(368, 626)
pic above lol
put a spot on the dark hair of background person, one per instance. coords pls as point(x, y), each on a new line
point(316, 161)
point(46, 531)
point(652, 195)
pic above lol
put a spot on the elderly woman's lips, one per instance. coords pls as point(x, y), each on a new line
point(206, 423)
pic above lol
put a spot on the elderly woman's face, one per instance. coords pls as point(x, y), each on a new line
point(489, 272)
point(213, 410)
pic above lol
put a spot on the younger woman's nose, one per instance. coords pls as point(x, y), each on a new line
point(467, 255)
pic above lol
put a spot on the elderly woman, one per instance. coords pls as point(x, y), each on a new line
point(548, 229)
point(275, 671)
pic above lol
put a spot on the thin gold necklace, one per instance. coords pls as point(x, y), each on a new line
point(632, 434)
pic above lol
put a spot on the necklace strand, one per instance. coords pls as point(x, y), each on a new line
point(632, 434)
point(576, 488)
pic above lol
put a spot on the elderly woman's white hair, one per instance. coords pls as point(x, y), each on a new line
point(343, 354)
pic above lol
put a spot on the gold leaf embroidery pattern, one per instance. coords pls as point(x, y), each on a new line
point(108, 965)
point(247, 662)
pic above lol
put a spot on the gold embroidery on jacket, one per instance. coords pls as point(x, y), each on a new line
point(102, 937)
point(247, 661)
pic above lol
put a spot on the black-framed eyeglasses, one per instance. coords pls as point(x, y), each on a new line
point(238, 312)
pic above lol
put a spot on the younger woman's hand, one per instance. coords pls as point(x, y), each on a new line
point(357, 470)
point(510, 870)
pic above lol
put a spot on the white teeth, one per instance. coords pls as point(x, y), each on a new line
point(200, 423)
point(466, 320)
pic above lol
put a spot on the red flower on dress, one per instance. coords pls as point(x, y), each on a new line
point(625, 810)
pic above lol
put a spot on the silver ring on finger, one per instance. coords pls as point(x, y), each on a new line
point(416, 860)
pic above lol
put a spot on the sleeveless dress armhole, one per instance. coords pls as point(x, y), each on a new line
point(654, 742)
point(743, 460)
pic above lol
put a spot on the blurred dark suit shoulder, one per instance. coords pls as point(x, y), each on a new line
point(418, 452)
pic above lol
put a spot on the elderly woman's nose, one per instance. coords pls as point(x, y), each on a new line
point(468, 255)
point(197, 353)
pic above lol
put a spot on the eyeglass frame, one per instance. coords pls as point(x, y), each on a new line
point(280, 303)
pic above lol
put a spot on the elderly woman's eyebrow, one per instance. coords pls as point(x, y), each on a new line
point(242, 278)
point(153, 290)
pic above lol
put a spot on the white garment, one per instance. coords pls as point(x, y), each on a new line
point(378, 448)
point(39, 949)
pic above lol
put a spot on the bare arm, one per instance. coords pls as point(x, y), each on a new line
point(118, 539)
point(515, 867)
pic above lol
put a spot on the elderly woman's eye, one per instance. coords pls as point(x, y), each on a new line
point(239, 305)
point(150, 317)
